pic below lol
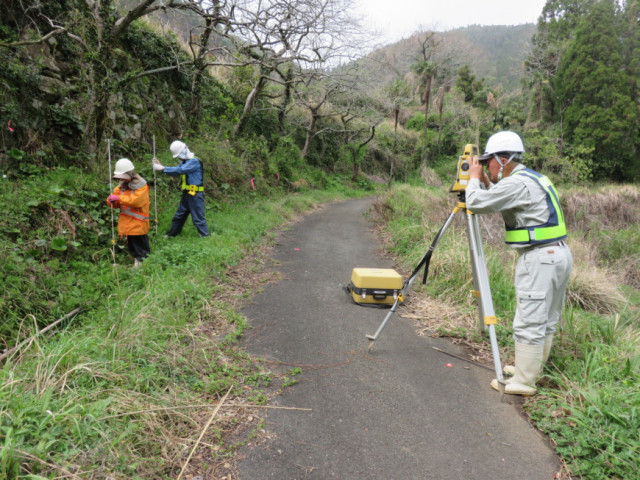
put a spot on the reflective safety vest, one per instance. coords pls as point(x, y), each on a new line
point(554, 229)
point(192, 189)
point(134, 212)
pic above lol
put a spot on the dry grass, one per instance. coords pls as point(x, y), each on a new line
point(591, 288)
point(610, 208)
point(430, 177)
point(594, 286)
point(435, 318)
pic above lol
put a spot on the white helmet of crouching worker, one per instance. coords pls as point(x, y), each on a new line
point(123, 169)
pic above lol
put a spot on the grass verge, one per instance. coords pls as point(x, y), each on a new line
point(589, 397)
point(125, 390)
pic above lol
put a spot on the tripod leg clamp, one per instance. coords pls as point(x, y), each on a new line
point(490, 320)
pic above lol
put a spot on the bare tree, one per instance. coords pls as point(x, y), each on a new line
point(282, 40)
point(98, 41)
point(300, 35)
point(314, 93)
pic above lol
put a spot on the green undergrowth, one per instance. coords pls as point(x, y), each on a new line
point(122, 389)
point(588, 399)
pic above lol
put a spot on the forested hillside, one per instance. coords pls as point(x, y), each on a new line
point(495, 53)
point(275, 99)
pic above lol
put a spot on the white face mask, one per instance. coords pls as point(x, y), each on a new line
point(185, 154)
point(502, 165)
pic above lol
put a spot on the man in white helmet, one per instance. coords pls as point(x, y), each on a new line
point(131, 196)
point(192, 201)
point(535, 227)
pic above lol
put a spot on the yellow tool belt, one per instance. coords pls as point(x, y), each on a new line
point(192, 189)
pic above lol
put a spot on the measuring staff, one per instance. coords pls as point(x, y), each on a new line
point(535, 228)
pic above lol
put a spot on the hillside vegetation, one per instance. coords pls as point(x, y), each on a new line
point(495, 53)
point(284, 115)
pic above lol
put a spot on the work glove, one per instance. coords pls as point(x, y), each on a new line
point(113, 198)
point(156, 165)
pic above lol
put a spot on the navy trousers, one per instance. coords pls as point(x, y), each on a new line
point(190, 204)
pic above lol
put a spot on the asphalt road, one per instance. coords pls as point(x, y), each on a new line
point(397, 413)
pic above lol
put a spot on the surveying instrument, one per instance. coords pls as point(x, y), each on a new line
point(482, 289)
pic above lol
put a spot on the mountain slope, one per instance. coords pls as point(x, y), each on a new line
point(496, 53)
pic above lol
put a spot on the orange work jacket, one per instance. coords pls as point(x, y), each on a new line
point(134, 211)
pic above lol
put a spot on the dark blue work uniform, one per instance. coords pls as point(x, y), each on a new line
point(192, 200)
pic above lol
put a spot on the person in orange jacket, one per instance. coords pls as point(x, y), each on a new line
point(131, 196)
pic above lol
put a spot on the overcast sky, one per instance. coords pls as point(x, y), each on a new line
point(397, 19)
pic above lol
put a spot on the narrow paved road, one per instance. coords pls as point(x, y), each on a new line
point(397, 413)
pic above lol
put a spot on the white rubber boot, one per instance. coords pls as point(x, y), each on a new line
point(527, 369)
point(548, 342)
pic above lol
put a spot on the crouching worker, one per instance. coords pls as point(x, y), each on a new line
point(535, 228)
point(131, 196)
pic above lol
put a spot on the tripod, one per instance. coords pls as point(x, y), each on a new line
point(482, 289)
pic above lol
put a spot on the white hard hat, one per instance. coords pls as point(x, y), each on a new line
point(177, 147)
point(506, 141)
point(123, 166)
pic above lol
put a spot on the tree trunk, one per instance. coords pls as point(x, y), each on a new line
point(427, 95)
point(199, 68)
point(249, 104)
point(307, 141)
point(286, 98)
point(356, 164)
point(440, 108)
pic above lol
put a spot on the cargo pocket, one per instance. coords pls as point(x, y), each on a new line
point(551, 258)
point(532, 307)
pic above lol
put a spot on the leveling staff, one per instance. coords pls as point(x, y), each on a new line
point(535, 227)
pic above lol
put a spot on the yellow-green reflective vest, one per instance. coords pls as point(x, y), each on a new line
point(555, 228)
point(192, 189)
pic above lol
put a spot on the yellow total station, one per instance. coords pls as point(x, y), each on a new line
point(464, 162)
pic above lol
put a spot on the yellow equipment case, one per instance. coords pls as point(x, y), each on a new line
point(375, 286)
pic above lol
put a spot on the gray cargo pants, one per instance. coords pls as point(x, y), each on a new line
point(541, 279)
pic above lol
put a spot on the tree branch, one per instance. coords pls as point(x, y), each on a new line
point(43, 39)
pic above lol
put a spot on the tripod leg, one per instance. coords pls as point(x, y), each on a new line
point(481, 283)
point(407, 286)
point(374, 337)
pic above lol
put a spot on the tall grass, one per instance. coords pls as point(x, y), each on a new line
point(124, 392)
point(589, 399)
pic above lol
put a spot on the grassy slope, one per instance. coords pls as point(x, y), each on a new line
point(589, 400)
point(113, 393)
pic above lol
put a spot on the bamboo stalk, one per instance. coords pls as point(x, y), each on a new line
point(464, 359)
point(28, 456)
point(206, 427)
point(178, 407)
point(44, 330)
point(155, 188)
